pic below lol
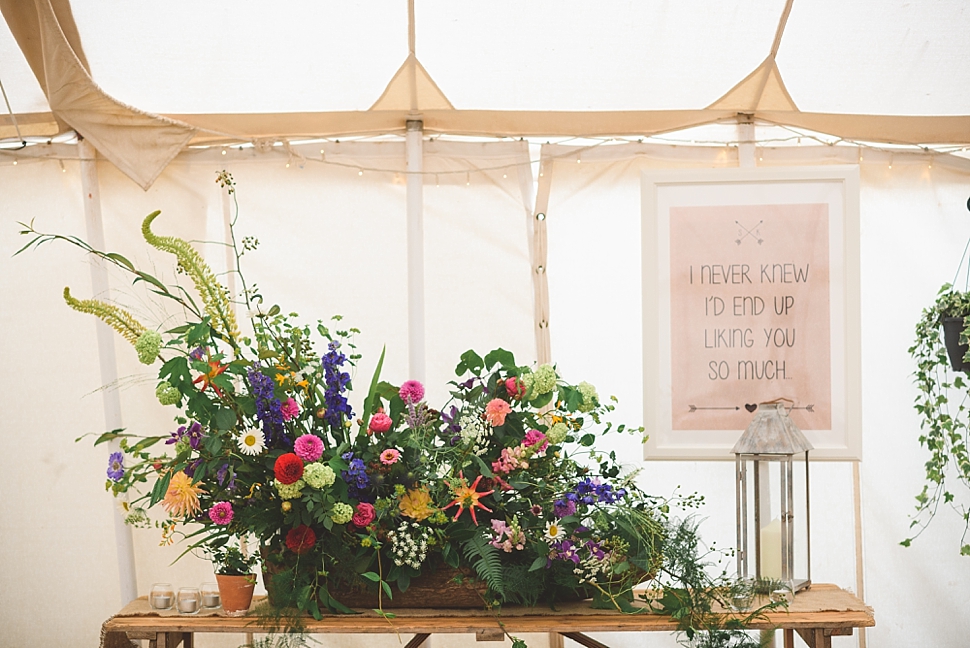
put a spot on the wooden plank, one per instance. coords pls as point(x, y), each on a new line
point(490, 634)
point(417, 640)
point(555, 640)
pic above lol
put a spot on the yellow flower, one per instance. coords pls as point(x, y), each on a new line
point(416, 504)
point(280, 378)
point(182, 498)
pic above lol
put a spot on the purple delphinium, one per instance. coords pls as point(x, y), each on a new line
point(355, 476)
point(591, 491)
point(268, 407)
point(197, 353)
point(116, 466)
point(190, 469)
point(336, 384)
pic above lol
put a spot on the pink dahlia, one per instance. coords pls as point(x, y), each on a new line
point(379, 423)
point(535, 437)
point(390, 456)
point(364, 515)
point(515, 388)
point(290, 409)
point(308, 447)
point(221, 513)
point(496, 411)
point(412, 391)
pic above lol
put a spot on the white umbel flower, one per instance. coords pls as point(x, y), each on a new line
point(252, 442)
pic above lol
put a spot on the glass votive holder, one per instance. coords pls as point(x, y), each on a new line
point(210, 595)
point(161, 596)
point(783, 594)
point(189, 600)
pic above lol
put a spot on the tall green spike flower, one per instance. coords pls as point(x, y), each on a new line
point(214, 294)
point(117, 318)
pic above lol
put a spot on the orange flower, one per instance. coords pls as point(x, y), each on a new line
point(416, 504)
point(206, 379)
point(182, 497)
point(467, 497)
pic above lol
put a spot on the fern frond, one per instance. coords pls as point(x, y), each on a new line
point(485, 559)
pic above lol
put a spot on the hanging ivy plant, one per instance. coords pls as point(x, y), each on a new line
point(943, 403)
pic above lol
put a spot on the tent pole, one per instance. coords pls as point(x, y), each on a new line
point(415, 206)
point(110, 399)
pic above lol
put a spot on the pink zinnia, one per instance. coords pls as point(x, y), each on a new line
point(496, 411)
point(289, 409)
point(221, 513)
point(535, 437)
point(412, 391)
point(390, 456)
point(379, 423)
point(515, 388)
point(365, 515)
point(308, 447)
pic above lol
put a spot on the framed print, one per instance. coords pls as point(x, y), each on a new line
point(750, 294)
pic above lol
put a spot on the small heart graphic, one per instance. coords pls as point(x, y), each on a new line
point(751, 406)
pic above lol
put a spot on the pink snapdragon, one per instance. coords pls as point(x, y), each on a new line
point(507, 537)
point(496, 411)
point(511, 459)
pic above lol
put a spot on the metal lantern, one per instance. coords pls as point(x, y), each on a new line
point(771, 438)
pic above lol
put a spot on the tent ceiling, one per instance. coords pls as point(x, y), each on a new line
point(547, 67)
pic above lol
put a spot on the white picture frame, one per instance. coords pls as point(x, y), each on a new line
point(830, 192)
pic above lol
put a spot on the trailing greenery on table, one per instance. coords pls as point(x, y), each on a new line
point(502, 482)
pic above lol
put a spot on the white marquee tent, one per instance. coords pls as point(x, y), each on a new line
point(427, 238)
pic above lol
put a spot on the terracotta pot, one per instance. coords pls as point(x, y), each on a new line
point(236, 593)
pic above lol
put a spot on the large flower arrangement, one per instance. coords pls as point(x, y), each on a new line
point(501, 486)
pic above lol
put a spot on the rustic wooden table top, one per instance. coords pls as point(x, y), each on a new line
point(823, 606)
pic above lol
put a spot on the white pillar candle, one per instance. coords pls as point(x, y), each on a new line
point(771, 550)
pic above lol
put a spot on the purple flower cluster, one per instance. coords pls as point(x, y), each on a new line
point(336, 384)
point(591, 491)
point(568, 549)
point(221, 476)
point(563, 507)
point(355, 476)
point(268, 407)
point(116, 466)
point(193, 433)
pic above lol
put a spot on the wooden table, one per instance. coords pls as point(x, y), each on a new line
point(816, 615)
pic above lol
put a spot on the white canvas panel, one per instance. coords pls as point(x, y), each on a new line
point(23, 90)
point(878, 58)
point(579, 56)
point(243, 57)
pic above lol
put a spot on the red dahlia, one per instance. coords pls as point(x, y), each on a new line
point(288, 468)
point(301, 539)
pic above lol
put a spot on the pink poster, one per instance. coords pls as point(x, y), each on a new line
point(749, 314)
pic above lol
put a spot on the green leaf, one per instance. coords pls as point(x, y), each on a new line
point(114, 256)
point(538, 563)
point(470, 361)
point(387, 589)
point(371, 576)
point(499, 356)
point(224, 419)
point(274, 310)
point(372, 395)
point(160, 488)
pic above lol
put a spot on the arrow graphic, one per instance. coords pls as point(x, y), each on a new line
point(694, 408)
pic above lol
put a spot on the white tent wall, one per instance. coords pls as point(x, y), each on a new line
point(331, 241)
point(914, 226)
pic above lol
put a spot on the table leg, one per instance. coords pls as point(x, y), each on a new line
point(583, 640)
point(417, 640)
point(555, 640)
point(789, 638)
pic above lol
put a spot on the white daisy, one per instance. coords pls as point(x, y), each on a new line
point(252, 442)
point(553, 531)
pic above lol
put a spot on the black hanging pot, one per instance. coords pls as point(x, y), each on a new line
point(952, 327)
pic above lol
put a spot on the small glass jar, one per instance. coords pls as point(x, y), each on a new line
point(161, 596)
point(189, 600)
point(210, 595)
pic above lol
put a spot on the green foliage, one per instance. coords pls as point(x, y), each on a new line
point(942, 404)
point(485, 559)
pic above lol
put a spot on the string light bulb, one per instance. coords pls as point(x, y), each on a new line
point(468, 179)
point(223, 151)
point(890, 163)
point(360, 172)
point(15, 162)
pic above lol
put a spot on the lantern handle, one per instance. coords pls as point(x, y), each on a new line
point(775, 401)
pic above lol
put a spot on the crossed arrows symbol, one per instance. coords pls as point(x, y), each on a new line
point(749, 232)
